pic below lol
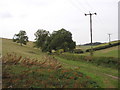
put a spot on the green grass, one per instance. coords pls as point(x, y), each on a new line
point(28, 72)
point(25, 75)
point(49, 76)
point(9, 46)
point(112, 42)
point(97, 73)
point(113, 51)
point(109, 52)
point(84, 48)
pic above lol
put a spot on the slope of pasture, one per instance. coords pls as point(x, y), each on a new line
point(9, 46)
point(97, 73)
point(112, 42)
point(21, 70)
point(85, 47)
point(109, 52)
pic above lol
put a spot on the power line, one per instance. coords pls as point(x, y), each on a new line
point(82, 5)
point(74, 5)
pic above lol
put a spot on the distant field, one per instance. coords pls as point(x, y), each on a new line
point(84, 47)
point(107, 43)
point(109, 52)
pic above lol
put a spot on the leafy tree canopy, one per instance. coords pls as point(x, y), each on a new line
point(21, 38)
point(61, 39)
point(41, 38)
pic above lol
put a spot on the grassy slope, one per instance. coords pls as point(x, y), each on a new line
point(25, 51)
point(23, 75)
point(112, 42)
point(109, 52)
point(97, 73)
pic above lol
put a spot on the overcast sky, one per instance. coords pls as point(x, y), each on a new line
point(31, 15)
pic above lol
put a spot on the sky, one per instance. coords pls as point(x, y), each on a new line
point(52, 15)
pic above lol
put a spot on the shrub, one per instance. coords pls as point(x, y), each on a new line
point(78, 51)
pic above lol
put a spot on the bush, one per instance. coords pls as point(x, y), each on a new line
point(60, 51)
point(78, 51)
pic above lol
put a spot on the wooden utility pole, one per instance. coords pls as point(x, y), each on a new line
point(91, 52)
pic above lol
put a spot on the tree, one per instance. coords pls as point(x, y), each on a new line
point(41, 38)
point(21, 38)
point(62, 39)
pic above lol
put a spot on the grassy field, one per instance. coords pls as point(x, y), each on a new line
point(96, 73)
point(28, 67)
point(112, 42)
point(54, 71)
point(109, 52)
point(113, 51)
point(9, 46)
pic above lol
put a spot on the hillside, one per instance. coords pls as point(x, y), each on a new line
point(108, 52)
point(28, 67)
point(9, 46)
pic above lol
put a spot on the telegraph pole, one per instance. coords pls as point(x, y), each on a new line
point(91, 52)
point(109, 38)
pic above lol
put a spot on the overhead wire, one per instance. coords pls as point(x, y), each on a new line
point(74, 5)
point(98, 19)
point(82, 5)
point(82, 8)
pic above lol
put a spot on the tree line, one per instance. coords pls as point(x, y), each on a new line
point(46, 41)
